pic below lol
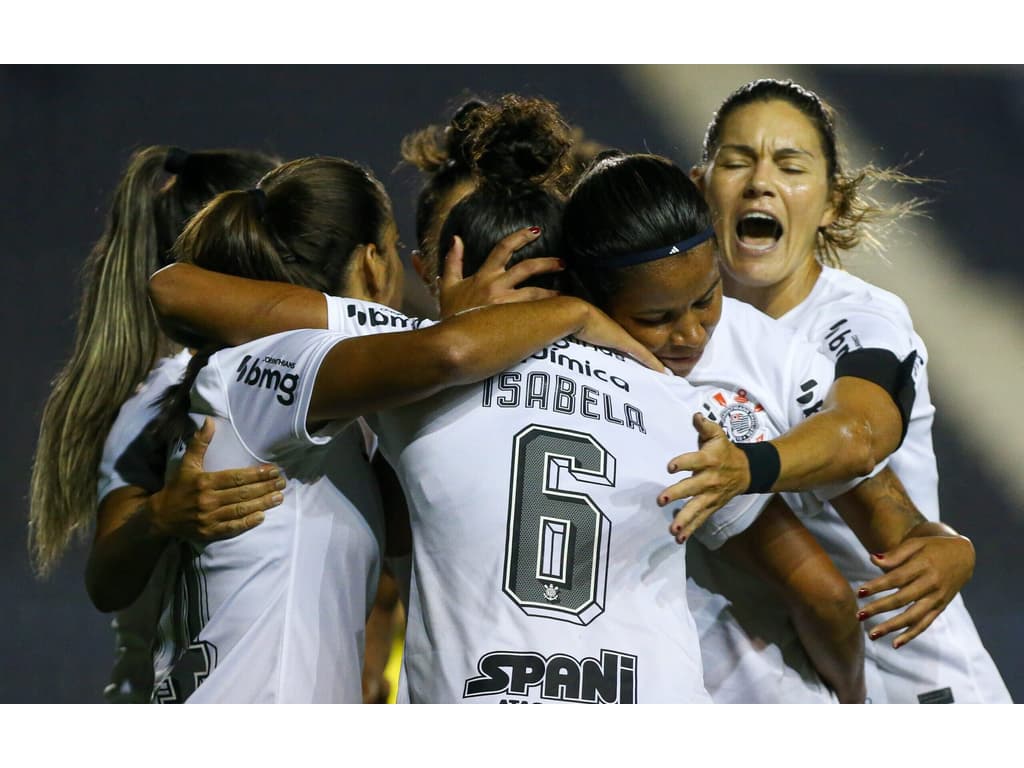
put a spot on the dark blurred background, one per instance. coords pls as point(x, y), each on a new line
point(67, 131)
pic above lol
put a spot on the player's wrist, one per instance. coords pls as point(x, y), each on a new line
point(764, 466)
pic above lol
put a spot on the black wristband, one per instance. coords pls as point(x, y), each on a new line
point(765, 466)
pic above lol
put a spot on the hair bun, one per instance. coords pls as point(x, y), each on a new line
point(519, 140)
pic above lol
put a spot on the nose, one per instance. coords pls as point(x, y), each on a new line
point(688, 332)
point(759, 184)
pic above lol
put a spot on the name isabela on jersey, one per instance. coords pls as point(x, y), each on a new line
point(560, 394)
point(267, 377)
point(559, 677)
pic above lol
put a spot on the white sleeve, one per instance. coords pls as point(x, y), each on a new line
point(264, 388)
point(130, 455)
point(845, 327)
point(354, 317)
point(810, 377)
point(732, 519)
point(814, 374)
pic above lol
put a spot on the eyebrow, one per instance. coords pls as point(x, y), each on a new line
point(748, 150)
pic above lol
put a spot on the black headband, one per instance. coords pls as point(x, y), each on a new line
point(629, 259)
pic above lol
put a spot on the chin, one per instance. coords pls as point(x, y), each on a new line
point(753, 272)
point(680, 368)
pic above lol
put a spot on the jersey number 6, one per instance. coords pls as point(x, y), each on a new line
point(556, 547)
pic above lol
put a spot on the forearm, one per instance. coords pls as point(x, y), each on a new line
point(858, 427)
point(123, 554)
point(194, 303)
point(834, 641)
point(372, 373)
point(781, 552)
point(881, 514)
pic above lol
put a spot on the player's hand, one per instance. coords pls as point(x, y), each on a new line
point(209, 506)
point(926, 572)
point(601, 331)
point(720, 472)
point(492, 283)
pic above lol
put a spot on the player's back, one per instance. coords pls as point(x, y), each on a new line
point(277, 614)
point(543, 568)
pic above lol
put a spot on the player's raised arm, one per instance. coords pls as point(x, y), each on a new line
point(197, 305)
point(372, 373)
point(860, 423)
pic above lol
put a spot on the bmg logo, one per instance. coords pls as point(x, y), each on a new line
point(267, 377)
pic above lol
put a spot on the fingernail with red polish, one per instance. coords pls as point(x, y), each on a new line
point(562, 264)
point(861, 615)
point(874, 635)
point(879, 557)
point(535, 230)
point(862, 592)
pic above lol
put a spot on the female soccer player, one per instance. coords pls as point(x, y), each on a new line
point(117, 343)
point(784, 210)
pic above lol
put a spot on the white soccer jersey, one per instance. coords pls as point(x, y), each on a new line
point(543, 570)
point(130, 457)
point(750, 650)
point(948, 661)
point(278, 614)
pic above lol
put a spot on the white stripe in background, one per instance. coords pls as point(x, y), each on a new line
point(972, 324)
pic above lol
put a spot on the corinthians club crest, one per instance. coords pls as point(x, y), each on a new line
point(739, 416)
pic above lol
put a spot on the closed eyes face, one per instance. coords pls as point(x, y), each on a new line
point(672, 306)
point(768, 188)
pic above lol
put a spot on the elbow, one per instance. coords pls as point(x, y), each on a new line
point(455, 359)
point(859, 451)
point(831, 602)
point(104, 600)
point(161, 290)
point(106, 597)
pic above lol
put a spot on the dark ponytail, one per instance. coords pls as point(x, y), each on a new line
point(301, 226)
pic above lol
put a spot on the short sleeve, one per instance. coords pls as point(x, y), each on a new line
point(130, 455)
point(732, 519)
point(811, 377)
point(264, 388)
point(354, 317)
point(845, 327)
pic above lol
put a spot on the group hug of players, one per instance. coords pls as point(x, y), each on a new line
point(659, 447)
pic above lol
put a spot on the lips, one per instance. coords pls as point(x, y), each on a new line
point(758, 231)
